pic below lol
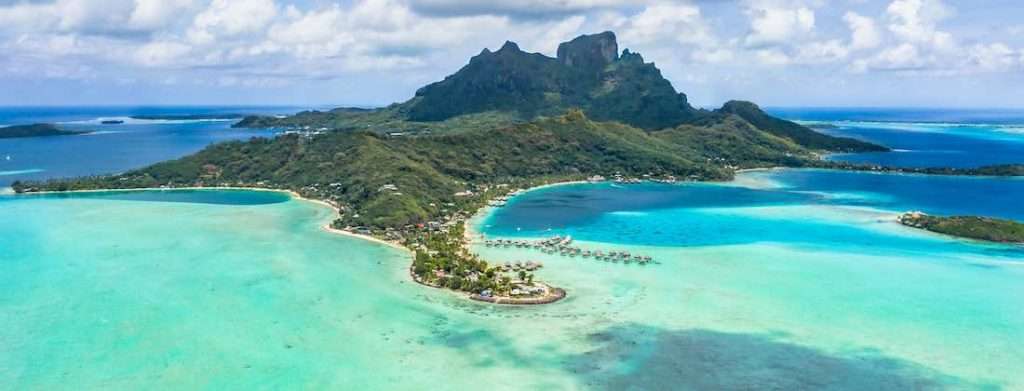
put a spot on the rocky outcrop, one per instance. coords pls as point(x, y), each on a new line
point(589, 52)
point(587, 73)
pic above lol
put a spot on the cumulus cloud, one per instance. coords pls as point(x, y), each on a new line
point(920, 44)
point(161, 53)
point(122, 18)
point(994, 57)
point(822, 52)
point(772, 57)
point(225, 19)
point(916, 21)
point(679, 22)
point(259, 43)
point(864, 32)
point(772, 24)
point(530, 9)
point(904, 57)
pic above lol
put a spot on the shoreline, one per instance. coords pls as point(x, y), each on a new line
point(759, 169)
point(295, 195)
point(557, 293)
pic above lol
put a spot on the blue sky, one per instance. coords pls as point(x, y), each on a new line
point(936, 53)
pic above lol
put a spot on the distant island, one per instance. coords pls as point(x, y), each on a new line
point(971, 227)
point(822, 126)
point(36, 130)
point(186, 117)
point(414, 172)
point(111, 122)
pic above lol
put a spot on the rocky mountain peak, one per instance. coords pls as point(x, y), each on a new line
point(593, 51)
point(509, 46)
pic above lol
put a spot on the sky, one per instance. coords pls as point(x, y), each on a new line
point(864, 53)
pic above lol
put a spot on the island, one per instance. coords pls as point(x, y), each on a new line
point(36, 130)
point(414, 173)
point(822, 126)
point(970, 227)
point(111, 122)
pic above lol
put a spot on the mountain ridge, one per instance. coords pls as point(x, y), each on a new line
point(510, 86)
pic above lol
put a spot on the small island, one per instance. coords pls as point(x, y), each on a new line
point(821, 126)
point(971, 227)
point(36, 130)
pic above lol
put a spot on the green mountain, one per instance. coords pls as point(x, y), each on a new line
point(800, 134)
point(510, 86)
point(588, 73)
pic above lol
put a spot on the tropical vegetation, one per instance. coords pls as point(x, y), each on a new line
point(971, 227)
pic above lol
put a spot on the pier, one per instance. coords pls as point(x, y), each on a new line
point(563, 246)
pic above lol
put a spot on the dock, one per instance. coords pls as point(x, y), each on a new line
point(563, 246)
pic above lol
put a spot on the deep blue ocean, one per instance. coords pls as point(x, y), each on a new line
point(113, 148)
point(924, 137)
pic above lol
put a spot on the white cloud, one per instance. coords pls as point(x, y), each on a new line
point(713, 56)
point(269, 42)
point(994, 57)
point(916, 21)
point(161, 53)
point(548, 40)
point(543, 9)
point(230, 18)
point(771, 24)
point(157, 14)
point(864, 32)
point(665, 23)
point(903, 57)
point(773, 57)
point(92, 17)
point(822, 52)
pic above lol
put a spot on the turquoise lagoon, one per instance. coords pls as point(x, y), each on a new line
point(780, 280)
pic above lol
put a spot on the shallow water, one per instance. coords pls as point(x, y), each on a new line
point(813, 262)
point(100, 293)
point(238, 290)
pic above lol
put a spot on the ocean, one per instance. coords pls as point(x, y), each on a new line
point(924, 137)
point(782, 279)
point(113, 148)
